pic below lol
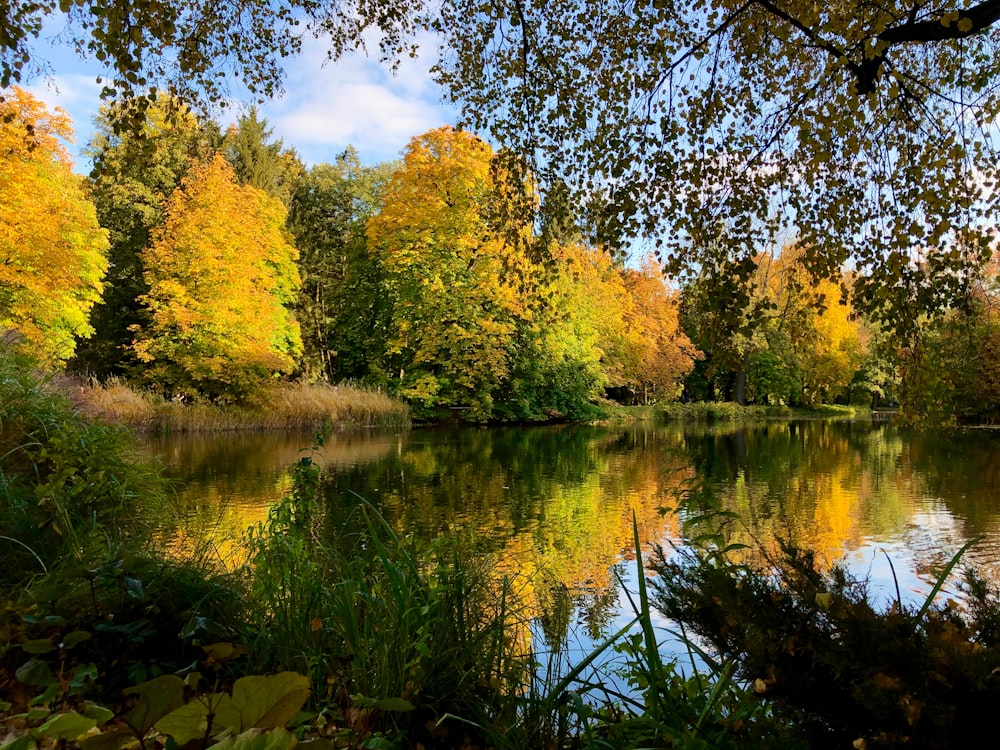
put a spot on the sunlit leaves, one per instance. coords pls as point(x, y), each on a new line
point(737, 123)
point(52, 252)
point(454, 280)
point(221, 276)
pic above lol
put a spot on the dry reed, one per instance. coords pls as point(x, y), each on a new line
point(285, 406)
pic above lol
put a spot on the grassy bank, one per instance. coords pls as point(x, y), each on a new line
point(283, 406)
point(727, 411)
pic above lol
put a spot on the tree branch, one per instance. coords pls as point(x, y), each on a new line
point(982, 17)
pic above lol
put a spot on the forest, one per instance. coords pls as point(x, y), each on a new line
point(205, 265)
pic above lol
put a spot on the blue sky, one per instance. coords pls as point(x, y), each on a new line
point(326, 107)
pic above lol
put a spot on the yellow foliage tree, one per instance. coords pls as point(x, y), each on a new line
point(454, 277)
point(221, 276)
point(52, 251)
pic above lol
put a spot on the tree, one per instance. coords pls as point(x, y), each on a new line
point(664, 354)
point(343, 307)
point(52, 252)
point(221, 278)
point(135, 173)
point(454, 279)
point(865, 129)
point(260, 162)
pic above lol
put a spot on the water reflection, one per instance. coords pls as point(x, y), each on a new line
point(554, 505)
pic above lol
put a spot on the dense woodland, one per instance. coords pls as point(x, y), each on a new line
point(205, 264)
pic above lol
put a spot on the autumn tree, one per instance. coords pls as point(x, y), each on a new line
point(221, 277)
point(453, 277)
point(51, 248)
point(343, 306)
point(797, 340)
point(745, 116)
point(864, 129)
point(134, 174)
point(664, 354)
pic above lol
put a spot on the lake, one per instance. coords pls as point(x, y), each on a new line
point(554, 505)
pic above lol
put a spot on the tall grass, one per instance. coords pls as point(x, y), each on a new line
point(284, 406)
point(69, 489)
point(420, 643)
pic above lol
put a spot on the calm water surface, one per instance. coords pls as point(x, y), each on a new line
point(554, 505)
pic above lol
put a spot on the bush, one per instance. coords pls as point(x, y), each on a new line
point(826, 660)
point(66, 485)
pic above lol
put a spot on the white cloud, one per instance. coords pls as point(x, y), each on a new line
point(326, 106)
point(355, 101)
point(79, 95)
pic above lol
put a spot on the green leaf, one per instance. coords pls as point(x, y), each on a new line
point(40, 646)
point(100, 713)
point(34, 672)
point(67, 726)
point(113, 740)
point(394, 704)
point(263, 702)
point(190, 721)
point(254, 739)
point(75, 638)
point(157, 698)
point(24, 742)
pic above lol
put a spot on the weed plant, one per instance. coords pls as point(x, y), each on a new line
point(70, 491)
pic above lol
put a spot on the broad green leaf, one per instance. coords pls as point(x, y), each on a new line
point(263, 702)
point(75, 638)
point(40, 646)
point(190, 721)
point(34, 672)
point(157, 698)
point(67, 726)
point(93, 711)
point(113, 740)
point(24, 742)
point(255, 739)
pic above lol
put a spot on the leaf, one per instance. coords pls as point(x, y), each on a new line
point(157, 698)
point(113, 740)
point(263, 702)
point(34, 672)
point(67, 726)
point(394, 704)
point(75, 638)
point(24, 742)
point(254, 739)
point(100, 713)
point(190, 721)
point(40, 646)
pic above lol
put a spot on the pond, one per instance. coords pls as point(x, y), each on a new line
point(555, 504)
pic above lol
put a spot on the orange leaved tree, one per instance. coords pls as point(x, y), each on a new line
point(221, 278)
point(52, 252)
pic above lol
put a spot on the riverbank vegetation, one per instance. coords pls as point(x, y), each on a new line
point(279, 406)
point(108, 640)
point(224, 270)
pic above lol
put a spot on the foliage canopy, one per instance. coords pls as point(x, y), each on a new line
point(52, 252)
point(865, 129)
